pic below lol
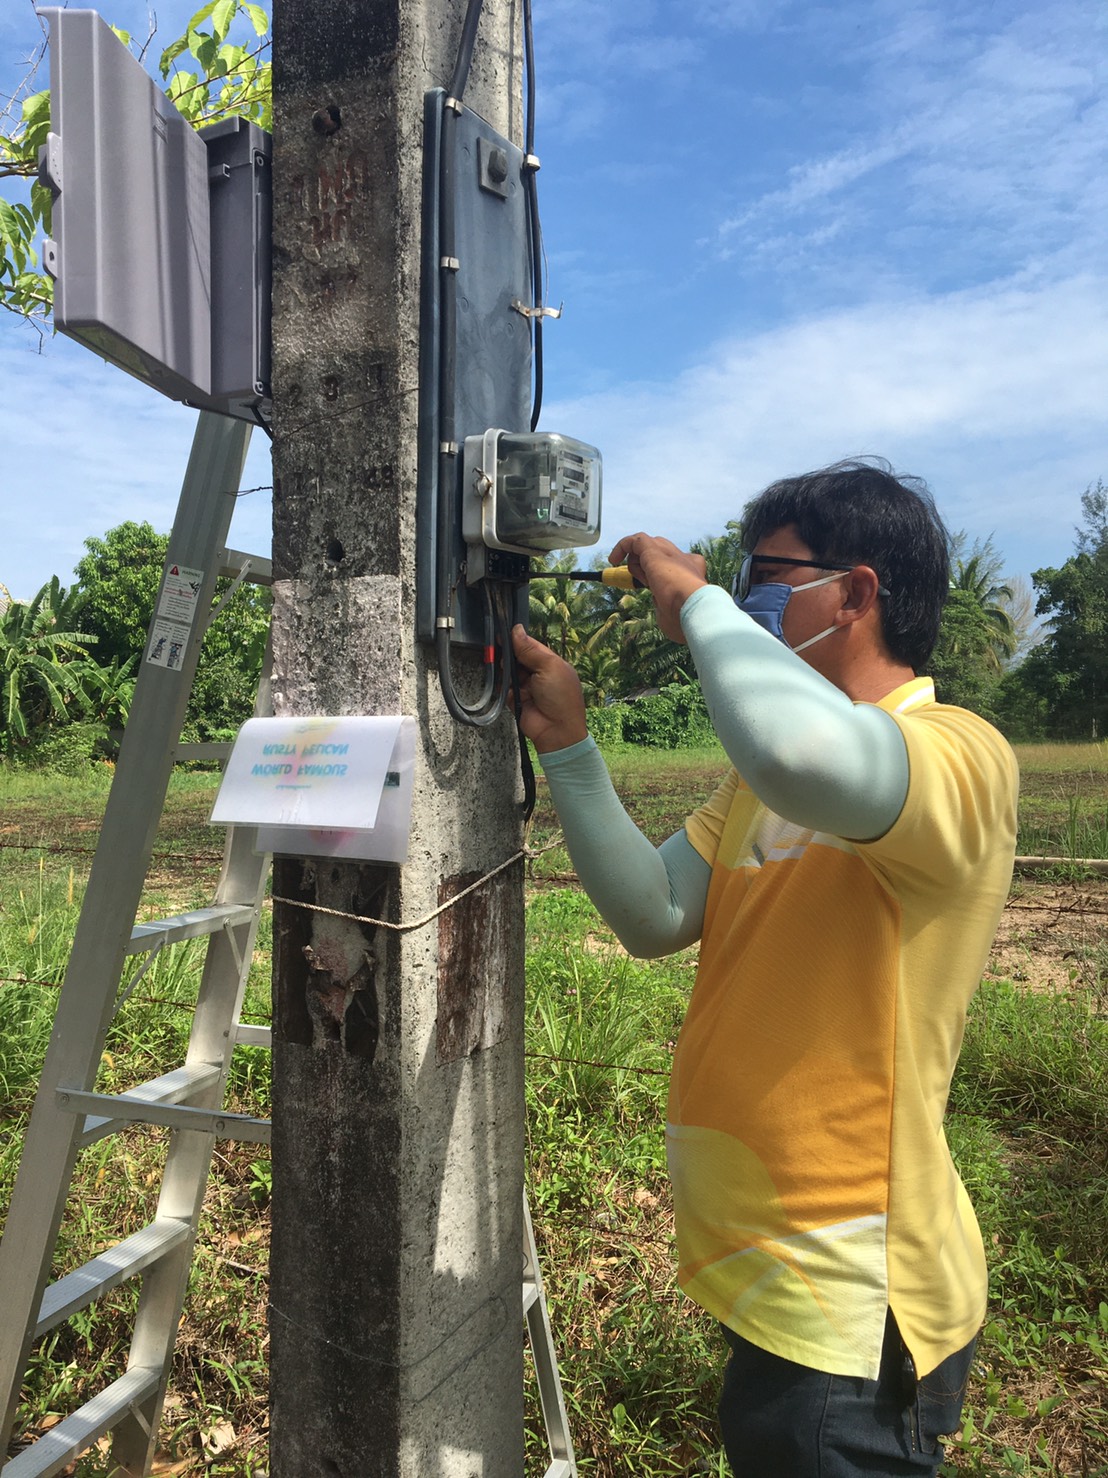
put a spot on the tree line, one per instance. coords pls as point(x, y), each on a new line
point(1032, 659)
point(1060, 689)
point(69, 656)
point(612, 639)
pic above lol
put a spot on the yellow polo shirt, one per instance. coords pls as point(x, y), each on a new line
point(812, 1182)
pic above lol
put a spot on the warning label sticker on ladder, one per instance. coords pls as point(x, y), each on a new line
point(167, 644)
point(180, 592)
point(177, 602)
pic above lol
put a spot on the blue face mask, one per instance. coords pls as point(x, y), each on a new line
point(766, 605)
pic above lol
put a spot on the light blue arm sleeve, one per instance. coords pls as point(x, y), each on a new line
point(808, 752)
point(651, 897)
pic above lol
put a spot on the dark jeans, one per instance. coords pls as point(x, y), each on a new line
point(782, 1420)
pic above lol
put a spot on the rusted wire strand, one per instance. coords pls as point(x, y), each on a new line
point(67, 848)
point(614, 1067)
point(255, 1017)
point(524, 854)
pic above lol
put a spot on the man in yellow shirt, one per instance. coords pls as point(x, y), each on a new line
point(845, 882)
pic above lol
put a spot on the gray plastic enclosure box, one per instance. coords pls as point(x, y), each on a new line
point(161, 235)
point(492, 339)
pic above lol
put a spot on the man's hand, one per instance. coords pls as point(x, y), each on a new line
point(671, 574)
point(552, 707)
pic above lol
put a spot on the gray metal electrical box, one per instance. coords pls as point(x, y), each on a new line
point(492, 336)
point(160, 249)
point(240, 198)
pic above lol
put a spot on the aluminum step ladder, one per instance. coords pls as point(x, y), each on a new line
point(70, 1115)
point(541, 1339)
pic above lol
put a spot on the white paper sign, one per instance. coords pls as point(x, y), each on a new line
point(318, 773)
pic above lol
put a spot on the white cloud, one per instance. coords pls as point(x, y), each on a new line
point(996, 397)
point(960, 146)
point(597, 54)
point(814, 182)
point(86, 448)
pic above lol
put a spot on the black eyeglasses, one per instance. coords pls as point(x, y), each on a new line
point(740, 586)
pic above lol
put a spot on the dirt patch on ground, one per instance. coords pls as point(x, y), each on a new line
point(1053, 935)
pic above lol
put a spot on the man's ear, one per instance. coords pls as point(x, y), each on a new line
point(860, 595)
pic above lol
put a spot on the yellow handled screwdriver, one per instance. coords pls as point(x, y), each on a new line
point(617, 576)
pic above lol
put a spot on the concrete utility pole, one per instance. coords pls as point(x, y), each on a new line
point(396, 1333)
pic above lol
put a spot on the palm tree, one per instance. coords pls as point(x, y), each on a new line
point(648, 658)
point(42, 660)
point(598, 668)
point(723, 554)
point(560, 610)
point(975, 581)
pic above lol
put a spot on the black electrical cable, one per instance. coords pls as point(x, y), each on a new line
point(530, 174)
point(465, 50)
point(536, 251)
point(490, 705)
point(511, 677)
point(529, 55)
point(530, 166)
point(527, 770)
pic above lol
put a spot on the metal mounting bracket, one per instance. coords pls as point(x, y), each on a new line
point(540, 312)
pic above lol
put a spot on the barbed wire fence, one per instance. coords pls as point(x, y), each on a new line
point(1060, 908)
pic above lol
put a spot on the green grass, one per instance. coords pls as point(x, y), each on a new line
point(1063, 800)
point(46, 846)
point(1027, 1127)
point(641, 1365)
point(1062, 759)
point(660, 787)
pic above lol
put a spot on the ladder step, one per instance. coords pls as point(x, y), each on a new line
point(195, 749)
point(91, 1281)
point(58, 1447)
point(252, 1036)
point(193, 925)
point(175, 1087)
point(260, 572)
point(560, 1468)
point(530, 1295)
point(137, 1110)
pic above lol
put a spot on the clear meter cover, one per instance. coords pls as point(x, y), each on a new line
point(547, 491)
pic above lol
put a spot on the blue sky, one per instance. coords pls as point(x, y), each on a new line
point(783, 233)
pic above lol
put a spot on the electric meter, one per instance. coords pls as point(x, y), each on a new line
point(529, 492)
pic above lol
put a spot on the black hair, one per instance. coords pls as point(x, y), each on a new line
point(860, 512)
